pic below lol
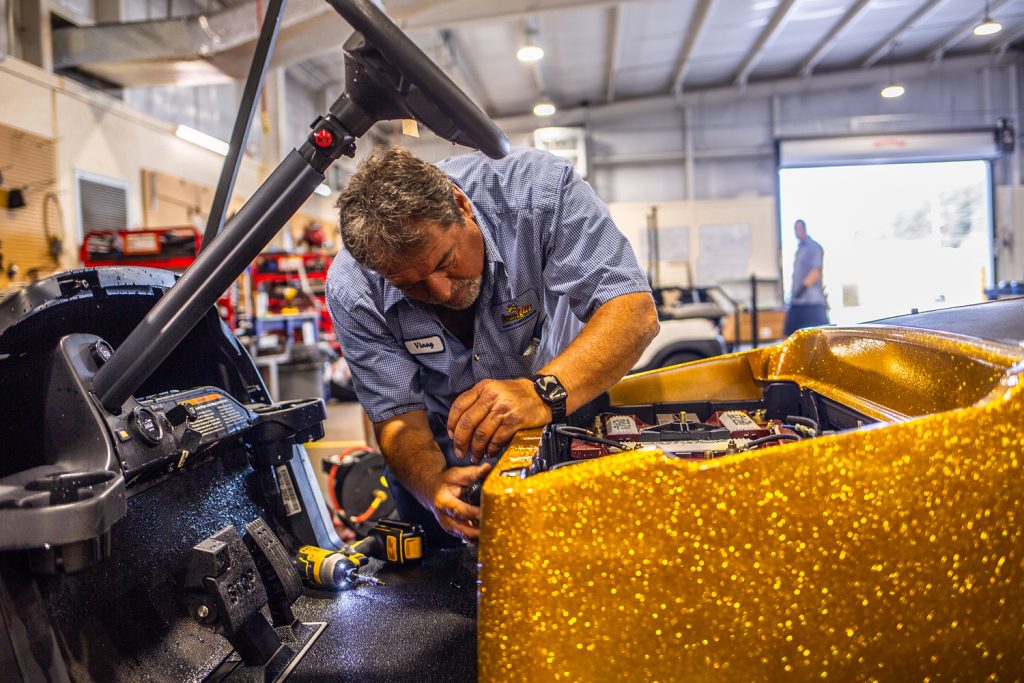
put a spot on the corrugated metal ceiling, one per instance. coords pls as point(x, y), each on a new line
point(597, 51)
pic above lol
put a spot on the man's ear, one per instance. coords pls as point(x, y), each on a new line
point(463, 203)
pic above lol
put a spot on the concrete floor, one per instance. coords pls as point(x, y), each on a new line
point(344, 428)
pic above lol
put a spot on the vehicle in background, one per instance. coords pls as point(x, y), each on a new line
point(691, 326)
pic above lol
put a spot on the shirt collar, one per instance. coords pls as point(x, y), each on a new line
point(393, 295)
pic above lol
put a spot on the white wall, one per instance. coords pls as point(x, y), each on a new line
point(98, 134)
point(1009, 235)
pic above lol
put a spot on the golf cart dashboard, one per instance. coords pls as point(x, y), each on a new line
point(46, 381)
point(167, 432)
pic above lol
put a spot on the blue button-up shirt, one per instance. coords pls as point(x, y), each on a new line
point(552, 257)
point(809, 255)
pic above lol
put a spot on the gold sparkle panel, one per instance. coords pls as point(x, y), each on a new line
point(887, 553)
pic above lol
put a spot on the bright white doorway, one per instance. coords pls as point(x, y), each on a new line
point(896, 236)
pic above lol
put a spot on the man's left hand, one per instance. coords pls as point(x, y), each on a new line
point(486, 417)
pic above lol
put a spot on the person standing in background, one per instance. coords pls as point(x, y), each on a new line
point(807, 305)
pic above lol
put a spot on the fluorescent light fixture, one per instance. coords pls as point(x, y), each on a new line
point(891, 91)
point(988, 27)
point(530, 52)
point(200, 138)
point(544, 108)
point(323, 190)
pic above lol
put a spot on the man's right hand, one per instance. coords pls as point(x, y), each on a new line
point(444, 499)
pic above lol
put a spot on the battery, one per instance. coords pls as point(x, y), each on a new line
point(740, 424)
point(621, 426)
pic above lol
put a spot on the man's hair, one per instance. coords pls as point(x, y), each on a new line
point(382, 209)
point(801, 221)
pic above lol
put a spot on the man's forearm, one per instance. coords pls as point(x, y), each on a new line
point(606, 349)
point(487, 416)
point(411, 452)
point(813, 276)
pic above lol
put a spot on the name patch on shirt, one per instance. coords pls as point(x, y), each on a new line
point(426, 345)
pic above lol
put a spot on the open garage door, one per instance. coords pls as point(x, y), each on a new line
point(905, 221)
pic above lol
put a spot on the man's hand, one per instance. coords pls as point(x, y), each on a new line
point(486, 417)
point(455, 515)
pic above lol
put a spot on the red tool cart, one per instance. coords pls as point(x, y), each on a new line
point(173, 248)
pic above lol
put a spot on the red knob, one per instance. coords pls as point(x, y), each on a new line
point(323, 138)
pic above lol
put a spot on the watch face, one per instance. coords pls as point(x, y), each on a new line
point(550, 389)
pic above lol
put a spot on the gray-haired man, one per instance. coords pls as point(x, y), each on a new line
point(475, 299)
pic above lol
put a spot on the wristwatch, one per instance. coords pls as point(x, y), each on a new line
point(551, 392)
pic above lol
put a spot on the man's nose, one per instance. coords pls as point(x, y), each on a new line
point(439, 287)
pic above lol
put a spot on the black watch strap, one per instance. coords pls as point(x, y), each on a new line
point(553, 393)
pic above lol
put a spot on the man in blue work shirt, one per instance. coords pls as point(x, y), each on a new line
point(474, 299)
point(807, 306)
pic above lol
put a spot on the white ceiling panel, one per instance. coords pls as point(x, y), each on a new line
point(653, 35)
point(880, 20)
point(807, 24)
point(712, 71)
point(640, 80)
point(575, 54)
point(917, 42)
point(489, 51)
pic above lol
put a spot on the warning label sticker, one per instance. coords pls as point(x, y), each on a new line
point(292, 506)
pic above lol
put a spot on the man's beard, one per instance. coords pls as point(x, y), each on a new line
point(464, 293)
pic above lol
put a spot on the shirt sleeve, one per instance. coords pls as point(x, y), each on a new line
point(817, 256)
point(385, 376)
point(587, 258)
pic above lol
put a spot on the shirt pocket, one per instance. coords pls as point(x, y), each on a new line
point(518, 320)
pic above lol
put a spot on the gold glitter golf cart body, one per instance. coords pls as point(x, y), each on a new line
point(888, 552)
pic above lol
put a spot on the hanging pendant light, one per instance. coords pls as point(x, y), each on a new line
point(545, 107)
point(530, 51)
point(988, 26)
point(892, 89)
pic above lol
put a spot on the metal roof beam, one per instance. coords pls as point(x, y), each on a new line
point(832, 37)
point(529, 28)
point(470, 81)
point(1011, 38)
point(883, 47)
point(697, 23)
point(456, 12)
point(614, 47)
point(778, 21)
point(939, 49)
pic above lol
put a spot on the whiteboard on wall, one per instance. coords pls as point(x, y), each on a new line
point(726, 240)
point(673, 245)
point(724, 252)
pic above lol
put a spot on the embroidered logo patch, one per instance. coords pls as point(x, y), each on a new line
point(426, 345)
point(514, 313)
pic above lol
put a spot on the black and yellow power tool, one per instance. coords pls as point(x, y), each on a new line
point(392, 541)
